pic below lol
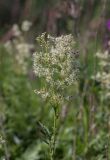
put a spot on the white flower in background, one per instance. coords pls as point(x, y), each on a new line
point(2, 141)
point(56, 62)
point(8, 45)
point(20, 48)
point(16, 30)
point(103, 76)
point(26, 25)
point(23, 53)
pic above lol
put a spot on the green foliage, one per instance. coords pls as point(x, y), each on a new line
point(20, 104)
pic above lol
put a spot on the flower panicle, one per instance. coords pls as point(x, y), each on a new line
point(56, 61)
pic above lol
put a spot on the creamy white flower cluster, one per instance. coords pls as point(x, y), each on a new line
point(103, 76)
point(19, 48)
point(56, 62)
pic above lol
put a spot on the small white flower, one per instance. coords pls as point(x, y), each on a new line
point(16, 30)
point(2, 141)
point(26, 25)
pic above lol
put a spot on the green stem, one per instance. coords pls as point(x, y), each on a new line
point(53, 139)
point(54, 132)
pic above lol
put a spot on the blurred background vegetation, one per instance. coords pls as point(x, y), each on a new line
point(85, 122)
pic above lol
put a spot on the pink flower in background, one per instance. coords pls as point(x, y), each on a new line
point(108, 24)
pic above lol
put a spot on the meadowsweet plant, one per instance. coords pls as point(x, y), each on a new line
point(56, 64)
